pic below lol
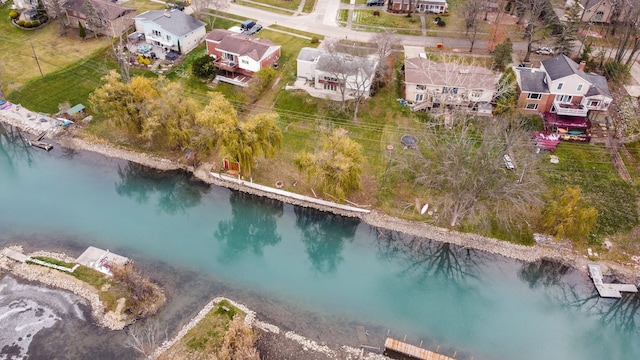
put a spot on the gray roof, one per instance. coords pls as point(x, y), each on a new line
point(599, 87)
point(350, 65)
point(561, 66)
point(173, 21)
point(532, 80)
point(419, 70)
point(309, 54)
point(588, 4)
point(105, 9)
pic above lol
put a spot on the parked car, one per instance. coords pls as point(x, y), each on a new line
point(247, 25)
point(255, 29)
point(375, 2)
point(544, 51)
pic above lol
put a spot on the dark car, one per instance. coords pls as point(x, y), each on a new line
point(375, 2)
point(247, 25)
point(255, 29)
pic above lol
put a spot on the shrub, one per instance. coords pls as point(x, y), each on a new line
point(13, 14)
point(203, 67)
point(20, 22)
point(315, 40)
point(616, 71)
point(28, 24)
point(143, 60)
point(441, 23)
point(35, 23)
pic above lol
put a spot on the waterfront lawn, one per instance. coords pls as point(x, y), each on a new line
point(589, 167)
point(207, 336)
point(54, 52)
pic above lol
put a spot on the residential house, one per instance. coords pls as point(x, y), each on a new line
point(446, 86)
point(565, 95)
point(114, 18)
point(24, 4)
point(597, 11)
point(239, 56)
point(337, 72)
point(429, 6)
point(171, 29)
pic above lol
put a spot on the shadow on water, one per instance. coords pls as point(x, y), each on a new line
point(323, 235)
point(177, 191)
point(427, 259)
point(13, 147)
point(619, 313)
point(252, 226)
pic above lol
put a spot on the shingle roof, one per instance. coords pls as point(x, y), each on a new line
point(241, 44)
point(561, 66)
point(309, 54)
point(107, 10)
point(424, 71)
point(531, 80)
point(350, 65)
point(599, 87)
point(173, 21)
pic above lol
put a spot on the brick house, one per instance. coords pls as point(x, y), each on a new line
point(239, 56)
point(116, 19)
point(428, 6)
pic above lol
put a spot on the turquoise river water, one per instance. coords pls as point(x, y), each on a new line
point(318, 274)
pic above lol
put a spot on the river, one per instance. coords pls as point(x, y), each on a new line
point(313, 272)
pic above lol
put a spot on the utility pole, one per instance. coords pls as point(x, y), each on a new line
point(37, 61)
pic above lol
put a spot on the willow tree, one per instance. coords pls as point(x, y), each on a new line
point(567, 215)
point(244, 141)
point(336, 167)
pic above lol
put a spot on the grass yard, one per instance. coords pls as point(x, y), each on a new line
point(343, 15)
point(207, 337)
point(277, 10)
point(309, 5)
point(285, 4)
point(72, 84)
point(144, 5)
point(54, 52)
point(401, 21)
point(294, 31)
point(589, 167)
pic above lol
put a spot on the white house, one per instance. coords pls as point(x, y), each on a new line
point(171, 29)
point(337, 72)
point(435, 86)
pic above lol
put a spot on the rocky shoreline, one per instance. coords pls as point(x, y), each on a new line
point(57, 279)
point(543, 250)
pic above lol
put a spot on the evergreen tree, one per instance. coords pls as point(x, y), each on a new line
point(81, 30)
point(502, 55)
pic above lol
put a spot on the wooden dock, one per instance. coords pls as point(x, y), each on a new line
point(413, 351)
point(608, 290)
point(37, 142)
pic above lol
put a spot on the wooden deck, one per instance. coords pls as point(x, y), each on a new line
point(608, 290)
point(412, 350)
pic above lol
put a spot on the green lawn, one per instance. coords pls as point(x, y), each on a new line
point(589, 167)
point(72, 84)
point(366, 17)
point(294, 31)
point(308, 6)
point(286, 4)
point(343, 15)
point(277, 10)
point(54, 52)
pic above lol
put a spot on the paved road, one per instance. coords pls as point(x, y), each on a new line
point(323, 21)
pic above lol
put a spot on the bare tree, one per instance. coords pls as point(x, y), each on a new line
point(629, 43)
point(471, 11)
point(54, 7)
point(465, 173)
point(217, 6)
point(122, 58)
point(352, 73)
point(145, 339)
point(94, 20)
point(531, 11)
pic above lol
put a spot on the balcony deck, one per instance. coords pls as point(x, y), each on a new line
point(570, 109)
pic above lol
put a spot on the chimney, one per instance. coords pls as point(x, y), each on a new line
point(582, 65)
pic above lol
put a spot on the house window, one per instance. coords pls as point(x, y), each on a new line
point(419, 97)
point(566, 99)
point(329, 78)
point(449, 90)
point(531, 107)
point(598, 16)
point(560, 85)
point(156, 33)
point(246, 62)
point(534, 96)
point(476, 93)
point(330, 86)
point(580, 87)
point(594, 103)
point(228, 56)
point(421, 87)
point(168, 38)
